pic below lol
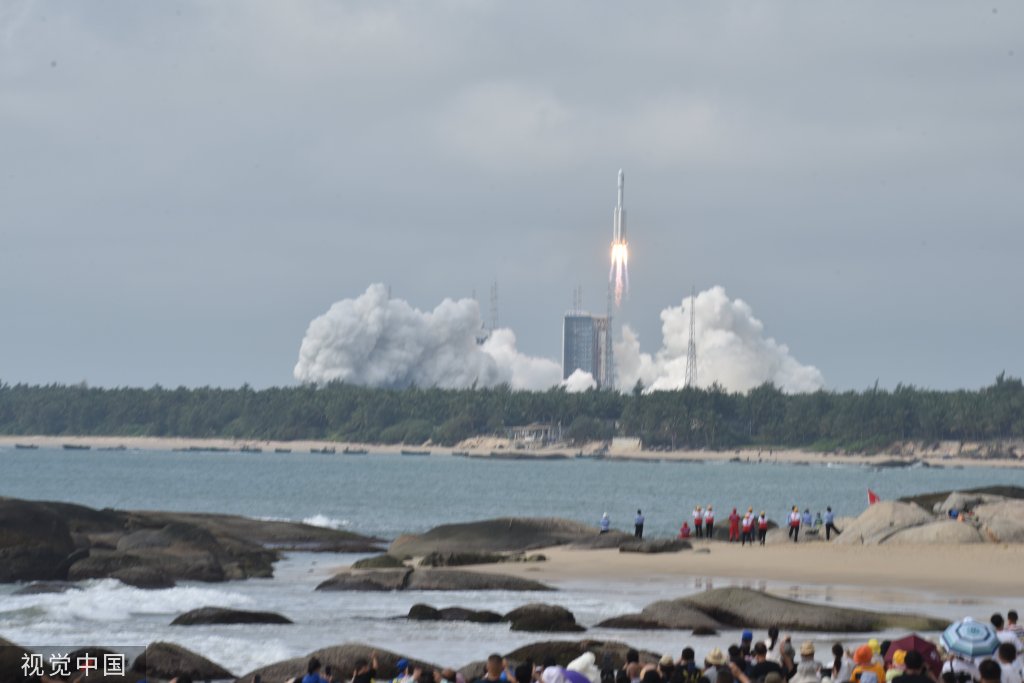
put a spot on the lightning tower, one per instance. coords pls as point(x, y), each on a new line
point(691, 348)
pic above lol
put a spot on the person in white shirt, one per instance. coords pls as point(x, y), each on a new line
point(709, 521)
point(1009, 661)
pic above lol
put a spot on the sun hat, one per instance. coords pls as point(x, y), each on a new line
point(875, 647)
point(899, 658)
point(807, 649)
point(716, 657)
point(666, 660)
point(862, 655)
point(747, 636)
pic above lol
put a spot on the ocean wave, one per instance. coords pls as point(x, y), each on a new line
point(326, 522)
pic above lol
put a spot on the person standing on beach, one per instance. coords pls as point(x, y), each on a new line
point(794, 524)
point(1012, 625)
point(748, 520)
point(807, 521)
point(638, 525)
point(830, 524)
point(605, 524)
point(734, 526)
point(709, 522)
point(698, 522)
point(762, 527)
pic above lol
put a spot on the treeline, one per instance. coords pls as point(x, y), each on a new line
point(688, 418)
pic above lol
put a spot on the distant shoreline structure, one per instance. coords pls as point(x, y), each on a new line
point(504, 449)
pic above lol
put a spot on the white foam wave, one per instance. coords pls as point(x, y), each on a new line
point(327, 522)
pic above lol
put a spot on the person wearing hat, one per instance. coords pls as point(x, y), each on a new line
point(666, 667)
point(897, 667)
point(698, 522)
point(715, 661)
point(762, 527)
point(709, 522)
point(808, 669)
point(866, 670)
point(404, 674)
point(605, 525)
point(913, 669)
point(746, 639)
point(747, 523)
point(734, 526)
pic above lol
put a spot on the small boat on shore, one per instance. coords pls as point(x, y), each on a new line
point(354, 451)
point(327, 450)
point(406, 451)
point(26, 447)
point(76, 447)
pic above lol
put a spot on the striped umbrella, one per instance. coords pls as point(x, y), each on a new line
point(970, 638)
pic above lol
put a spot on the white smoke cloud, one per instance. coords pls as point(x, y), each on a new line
point(731, 350)
point(579, 381)
point(377, 341)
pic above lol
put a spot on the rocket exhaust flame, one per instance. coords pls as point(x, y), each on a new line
point(619, 273)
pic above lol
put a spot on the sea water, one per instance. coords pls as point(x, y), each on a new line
point(385, 495)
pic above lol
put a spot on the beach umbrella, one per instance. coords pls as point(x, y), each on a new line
point(970, 638)
point(927, 649)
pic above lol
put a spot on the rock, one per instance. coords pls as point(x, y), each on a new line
point(11, 657)
point(383, 561)
point(426, 580)
point(745, 608)
point(633, 621)
point(494, 535)
point(704, 631)
point(677, 614)
point(44, 587)
point(540, 617)
point(167, 660)
point(612, 539)
point(148, 577)
point(965, 501)
point(929, 500)
point(149, 570)
point(220, 615)
point(667, 545)
point(564, 652)
point(341, 658)
point(945, 531)
point(35, 542)
point(882, 520)
point(421, 612)
point(1002, 522)
point(439, 559)
point(368, 580)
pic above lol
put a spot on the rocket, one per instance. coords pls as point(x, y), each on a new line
point(619, 214)
point(618, 276)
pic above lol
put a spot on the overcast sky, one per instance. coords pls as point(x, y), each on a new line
point(185, 185)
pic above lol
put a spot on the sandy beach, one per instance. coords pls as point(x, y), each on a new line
point(943, 456)
point(963, 571)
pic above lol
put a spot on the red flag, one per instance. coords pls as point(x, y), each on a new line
point(872, 497)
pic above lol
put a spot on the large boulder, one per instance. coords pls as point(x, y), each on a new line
point(367, 580)
point(426, 580)
point(492, 535)
point(167, 660)
point(745, 608)
point(221, 615)
point(35, 542)
point(11, 658)
point(421, 612)
point(633, 621)
point(882, 520)
point(612, 539)
point(147, 570)
point(341, 658)
point(678, 614)
point(382, 561)
point(944, 531)
point(458, 580)
point(543, 618)
point(965, 500)
point(1002, 522)
point(564, 652)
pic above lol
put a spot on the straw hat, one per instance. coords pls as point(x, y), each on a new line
point(716, 657)
point(899, 658)
point(807, 649)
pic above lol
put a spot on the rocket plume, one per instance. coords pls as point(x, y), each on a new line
point(618, 276)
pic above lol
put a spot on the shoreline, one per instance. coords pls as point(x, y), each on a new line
point(957, 571)
point(492, 447)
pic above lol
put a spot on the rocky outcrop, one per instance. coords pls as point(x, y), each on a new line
point(167, 660)
point(543, 618)
point(383, 561)
point(219, 615)
point(341, 658)
point(661, 545)
point(421, 612)
point(426, 580)
point(882, 520)
point(58, 541)
point(439, 559)
point(744, 608)
point(1002, 522)
point(612, 539)
point(492, 536)
point(564, 652)
point(35, 542)
point(11, 658)
point(945, 531)
point(633, 621)
point(677, 614)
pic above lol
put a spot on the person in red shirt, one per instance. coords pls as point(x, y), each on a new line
point(684, 530)
point(748, 521)
point(734, 526)
point(698, 522)
point(762, 527)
